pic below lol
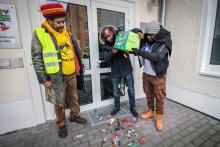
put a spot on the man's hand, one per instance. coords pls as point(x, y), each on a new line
point(136, 51)
point(114, 50)
point(48, 84)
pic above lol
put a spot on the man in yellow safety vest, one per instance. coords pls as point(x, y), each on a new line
point(57, 62)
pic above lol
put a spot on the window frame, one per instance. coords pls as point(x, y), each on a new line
point(206, 39)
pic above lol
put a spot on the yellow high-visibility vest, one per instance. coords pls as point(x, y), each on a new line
point(50, 58)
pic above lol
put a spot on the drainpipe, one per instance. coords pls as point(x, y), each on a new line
point(161, 9)
point(162, 12)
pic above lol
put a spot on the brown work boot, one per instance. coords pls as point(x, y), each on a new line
point(159, 122)
point(148, 114)
point(62, 132)
point(78, 119)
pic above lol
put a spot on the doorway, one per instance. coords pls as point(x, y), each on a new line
point(84, 20)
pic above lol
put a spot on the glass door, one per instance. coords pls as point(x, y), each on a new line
point(105, 14)
point(84, 20)
point(77, 23)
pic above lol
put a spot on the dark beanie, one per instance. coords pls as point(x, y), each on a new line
point(136, 30)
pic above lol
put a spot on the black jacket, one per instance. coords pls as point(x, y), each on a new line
point(80, 77)
point(160, 52)
point(120, 62)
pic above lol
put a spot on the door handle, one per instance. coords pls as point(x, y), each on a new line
point(97, 64)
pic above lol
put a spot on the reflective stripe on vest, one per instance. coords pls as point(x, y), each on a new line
point(51, 64)
point(49, 51)
point(50, 54)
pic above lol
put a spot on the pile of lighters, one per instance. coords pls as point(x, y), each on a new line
point(124, 128)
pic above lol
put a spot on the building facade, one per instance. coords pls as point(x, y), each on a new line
point(194, 70)
point(192, 80)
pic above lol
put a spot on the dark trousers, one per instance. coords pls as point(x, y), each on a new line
point(69, 87)
point(155, 87)
point(129, 82)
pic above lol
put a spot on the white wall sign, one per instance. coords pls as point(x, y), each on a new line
point(9, 33)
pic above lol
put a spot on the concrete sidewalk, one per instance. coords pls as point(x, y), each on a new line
point(182, 127)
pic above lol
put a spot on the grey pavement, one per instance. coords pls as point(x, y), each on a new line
point(183, 126)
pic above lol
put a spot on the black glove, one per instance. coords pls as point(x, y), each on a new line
point(136, 51)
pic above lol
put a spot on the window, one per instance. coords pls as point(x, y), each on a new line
point(109, 17)
point(215, 54)
point(210, 38)
point(75, 20)
point(77, 23)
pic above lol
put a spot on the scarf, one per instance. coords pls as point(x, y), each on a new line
point(63, 38)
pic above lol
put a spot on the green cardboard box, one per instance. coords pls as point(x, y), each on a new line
point(126, 40)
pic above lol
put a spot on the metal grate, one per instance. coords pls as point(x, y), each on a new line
point(103, 115)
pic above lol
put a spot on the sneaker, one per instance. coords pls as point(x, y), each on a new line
point(78, 119)
point(62, 132)
point(114, 111)
point(134, 113)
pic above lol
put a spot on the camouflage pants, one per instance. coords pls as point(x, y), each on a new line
point(154, 87)
point(69, 90)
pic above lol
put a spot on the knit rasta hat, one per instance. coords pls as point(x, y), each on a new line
point(52, 9)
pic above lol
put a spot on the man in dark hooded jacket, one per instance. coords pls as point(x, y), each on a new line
point(155, 60)
point(120, 68)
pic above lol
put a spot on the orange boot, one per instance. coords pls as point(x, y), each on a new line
point(159, 122)
point(148, 114)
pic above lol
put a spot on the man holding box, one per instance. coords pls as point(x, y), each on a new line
point(120, 66)
point(155, 55)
